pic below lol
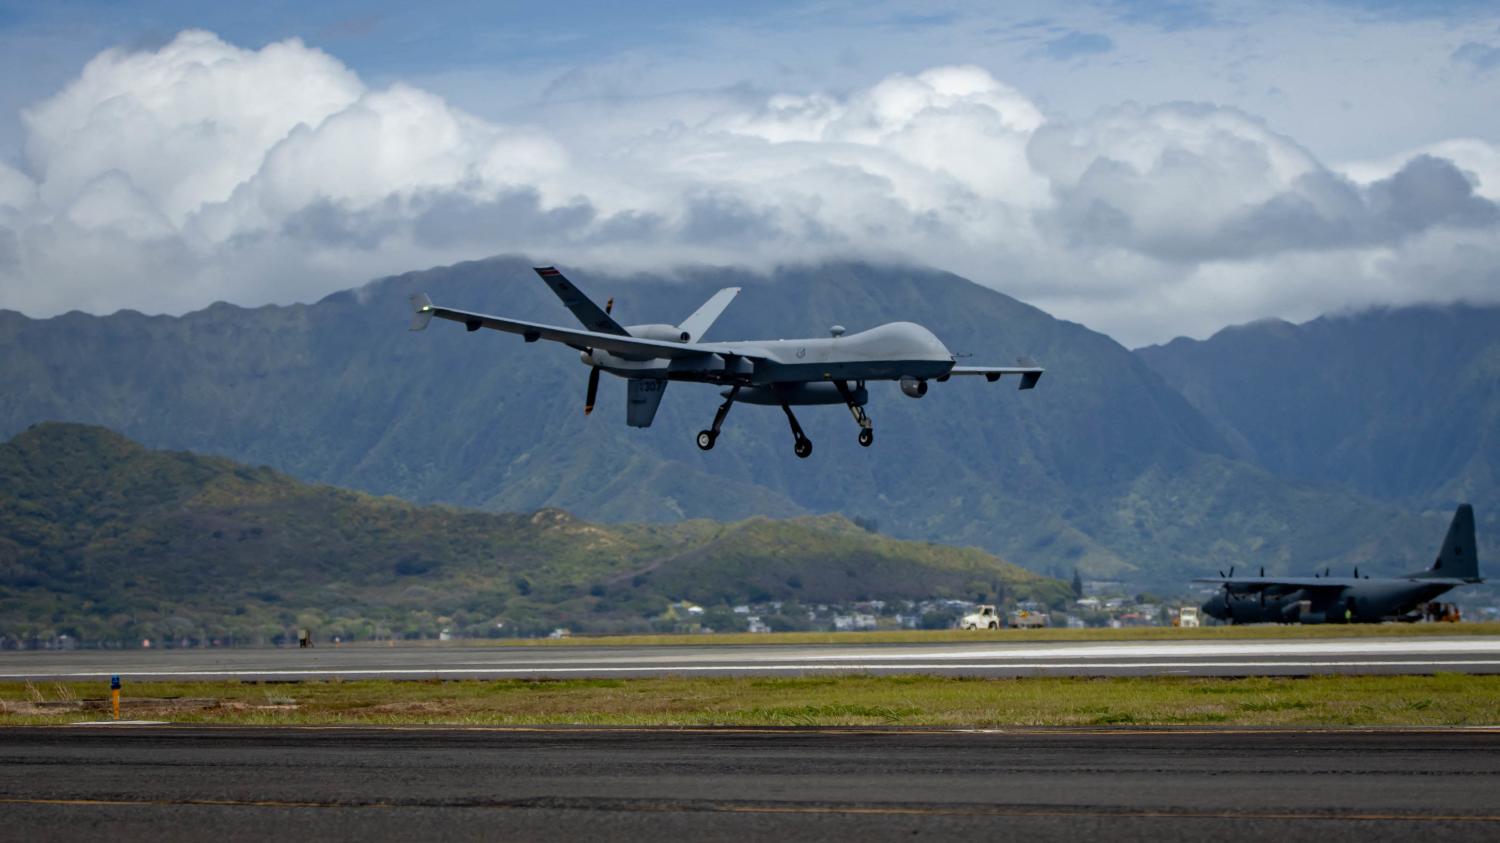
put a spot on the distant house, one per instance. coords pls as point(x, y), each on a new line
point(853, 622)
point(756, 624)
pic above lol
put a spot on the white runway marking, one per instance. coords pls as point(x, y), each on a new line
point(1244, 658)
point(1196, 650)
point(1041, 651)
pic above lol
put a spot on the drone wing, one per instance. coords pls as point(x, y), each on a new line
point(1030, 373)
point(423, 310)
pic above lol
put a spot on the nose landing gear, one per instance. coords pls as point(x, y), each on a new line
point(866, 427)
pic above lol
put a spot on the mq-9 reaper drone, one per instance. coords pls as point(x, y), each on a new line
point(784, 373)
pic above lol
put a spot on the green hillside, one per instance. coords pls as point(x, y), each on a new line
point(105, 540)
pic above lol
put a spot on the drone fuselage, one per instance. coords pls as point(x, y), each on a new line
point(887, 352)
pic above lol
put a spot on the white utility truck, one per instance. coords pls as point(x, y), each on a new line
point(985, 617)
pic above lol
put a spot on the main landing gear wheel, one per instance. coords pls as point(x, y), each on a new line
point(866, 437)
point(707, 438)
point(803, 446)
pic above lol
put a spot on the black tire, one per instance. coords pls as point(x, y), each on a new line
point(866, 437)
point(706, 439)
point(803, 448)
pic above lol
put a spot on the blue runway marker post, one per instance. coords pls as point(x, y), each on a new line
point(114, 694)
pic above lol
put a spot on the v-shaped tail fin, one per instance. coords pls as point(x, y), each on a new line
point(697, 325)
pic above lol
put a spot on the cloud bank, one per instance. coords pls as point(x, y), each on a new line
point(167, 179)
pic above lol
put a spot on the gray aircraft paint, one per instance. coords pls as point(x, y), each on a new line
point(1356, 599)
point(781, 372)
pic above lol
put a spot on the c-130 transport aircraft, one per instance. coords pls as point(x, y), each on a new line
point(784, 373)
point(1356, 599)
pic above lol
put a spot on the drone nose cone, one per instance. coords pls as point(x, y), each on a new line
point(924, 342)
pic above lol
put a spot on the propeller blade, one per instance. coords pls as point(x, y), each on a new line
point(1221, 573)
point(1262, 571)
point(593, 392)
point(609, 305)
point(1231, 570)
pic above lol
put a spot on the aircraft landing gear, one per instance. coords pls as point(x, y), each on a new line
point(802, 446)
point(866, 427)
point(707, 438)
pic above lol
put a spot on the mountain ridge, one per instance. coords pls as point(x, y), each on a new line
point(1400, 404)
point(1104, 467)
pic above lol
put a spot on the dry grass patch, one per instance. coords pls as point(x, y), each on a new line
point(856, 700)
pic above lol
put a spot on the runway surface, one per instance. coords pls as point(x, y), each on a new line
point(1268, 657)
point(181, 783)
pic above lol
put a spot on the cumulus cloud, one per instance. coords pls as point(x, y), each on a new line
point(1193, 183)
point(1477, 159)
point(187, 124)
point(166, 179)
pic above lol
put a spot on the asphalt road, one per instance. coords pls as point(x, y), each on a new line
point(1270, 657)
point(191, 783)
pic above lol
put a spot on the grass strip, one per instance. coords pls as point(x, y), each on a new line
point(849, 700)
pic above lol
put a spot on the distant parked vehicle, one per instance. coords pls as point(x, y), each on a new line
point(985, 618)
point(1027, 619)
point(1187, 618)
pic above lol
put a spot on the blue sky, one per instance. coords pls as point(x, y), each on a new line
point(604, 114)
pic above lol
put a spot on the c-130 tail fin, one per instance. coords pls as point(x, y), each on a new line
point(1458, 558)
